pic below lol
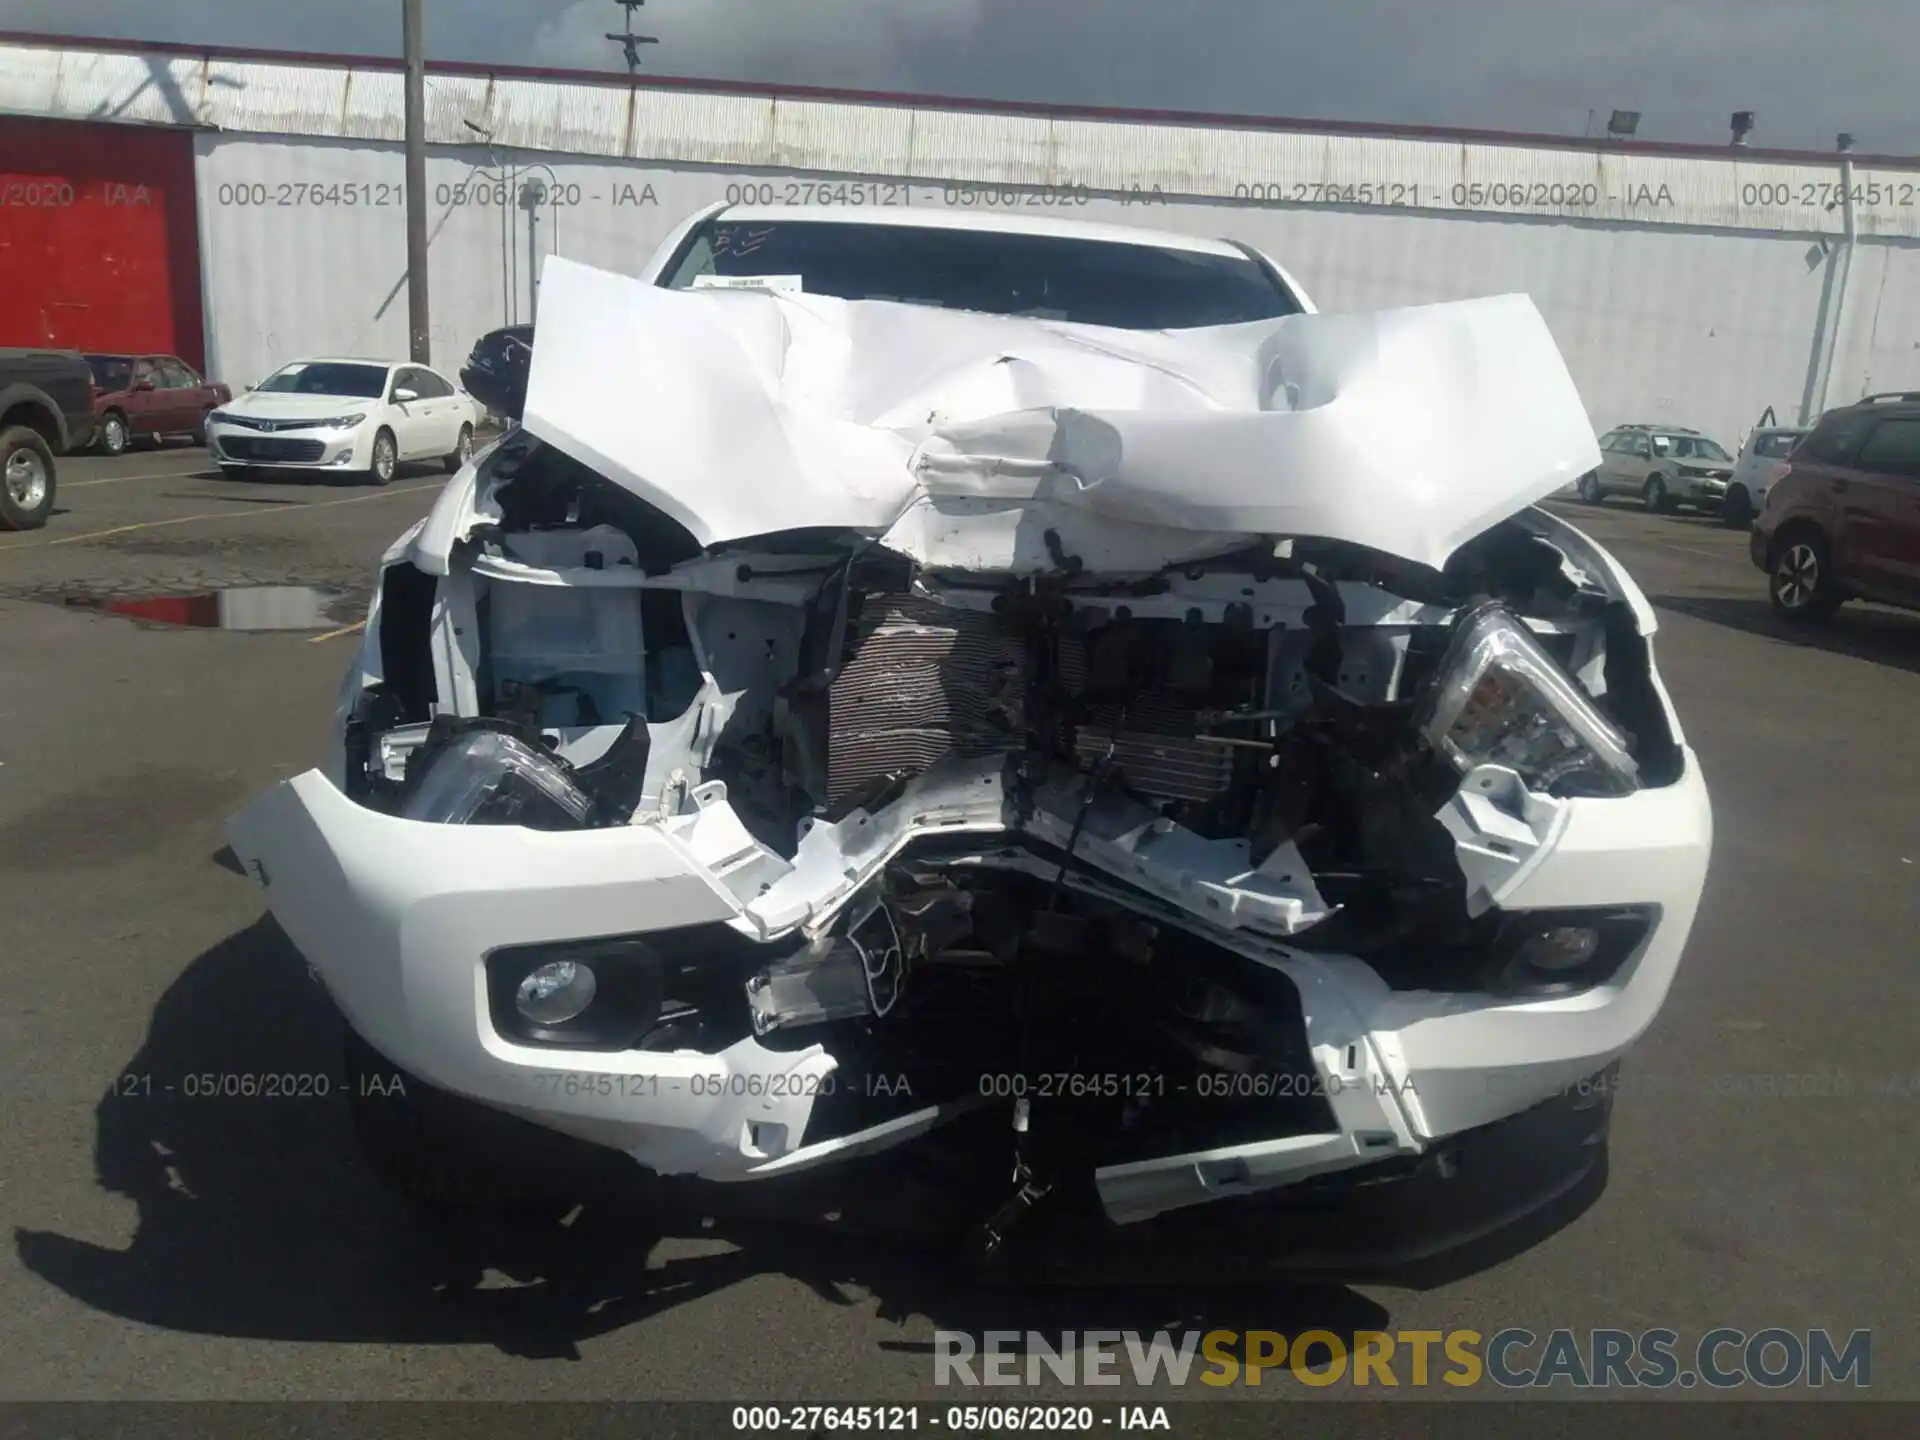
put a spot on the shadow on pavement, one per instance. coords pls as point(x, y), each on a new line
point(1885, 637)
point(258, 1219)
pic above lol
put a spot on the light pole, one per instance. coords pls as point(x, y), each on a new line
point(420, 342)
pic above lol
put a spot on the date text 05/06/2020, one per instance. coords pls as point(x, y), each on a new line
point(954, 1419)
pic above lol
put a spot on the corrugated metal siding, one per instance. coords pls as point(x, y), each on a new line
point(1346, 172)
point(1879, 343)
point(1693, 327)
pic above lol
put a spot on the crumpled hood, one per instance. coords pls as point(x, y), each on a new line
point(990, 442)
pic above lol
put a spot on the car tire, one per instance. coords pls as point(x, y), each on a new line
point(386, 458)
point(1589, 488)
point(1658, 501)
point(26, 479)
point(1736, 511)
point(1800, 577)
point(114, 437)
point(462, 451)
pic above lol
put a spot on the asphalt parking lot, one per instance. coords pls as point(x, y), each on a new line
point(165, 1247)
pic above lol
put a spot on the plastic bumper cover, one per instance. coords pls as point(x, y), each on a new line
point(397, 916)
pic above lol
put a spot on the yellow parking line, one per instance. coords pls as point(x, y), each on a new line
point(336, 634)
point(122, 479)
point(222, 515)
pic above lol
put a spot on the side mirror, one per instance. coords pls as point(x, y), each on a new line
point(401, 397)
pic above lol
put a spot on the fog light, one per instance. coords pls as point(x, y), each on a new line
point(554, 993)
point(1559, 948)
point(1562, 952)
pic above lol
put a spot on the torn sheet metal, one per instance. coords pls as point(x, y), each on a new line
point(746, 412)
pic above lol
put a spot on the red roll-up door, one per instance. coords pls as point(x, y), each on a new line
point(99, 244)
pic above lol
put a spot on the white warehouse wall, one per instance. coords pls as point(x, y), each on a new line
point(1661, 322)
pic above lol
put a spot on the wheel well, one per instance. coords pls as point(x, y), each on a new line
point(1788, 533)
point(36, 418)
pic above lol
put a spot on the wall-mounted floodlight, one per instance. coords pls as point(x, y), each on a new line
point(1623, 123)
point(1742, 126)
point(1843, 142)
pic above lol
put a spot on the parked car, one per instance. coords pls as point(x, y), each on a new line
point(950, 710)
point(362, 417)
point(1843, 522)
point(1666, 466)
point(147, 398)
point(45, 410)
point(496, 371)
point(1763, 459)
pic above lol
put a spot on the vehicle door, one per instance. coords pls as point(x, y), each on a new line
point(179, 388)
point(443, 407)
point(1631, 463)
point(146, 401)
point(409, 417)
point(1883, 510)
point(1609, 457)
point(1606, 443)
point(1825, 485)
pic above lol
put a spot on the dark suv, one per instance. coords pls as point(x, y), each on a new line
point(1843, 523)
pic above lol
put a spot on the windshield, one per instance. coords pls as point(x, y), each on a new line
point(328, 377)
point(111, 372)
point(1086, 282)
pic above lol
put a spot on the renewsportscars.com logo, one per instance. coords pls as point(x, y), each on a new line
point(1513, 1358)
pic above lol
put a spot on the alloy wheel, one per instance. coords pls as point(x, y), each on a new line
point(383, 458)
point(113, 435)
point(26, 479)
point(1796, 578)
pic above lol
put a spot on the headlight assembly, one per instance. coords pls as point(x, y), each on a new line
point(344, 422)
point(1500, 699)
point(484, 777)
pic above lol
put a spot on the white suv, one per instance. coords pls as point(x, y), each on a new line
point(1667, 466)
point(1763, 460)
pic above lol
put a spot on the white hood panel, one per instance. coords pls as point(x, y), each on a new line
point(962, 438)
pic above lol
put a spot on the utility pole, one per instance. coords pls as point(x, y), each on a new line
point(629, 42)
point(420, 344)
point(533, 195)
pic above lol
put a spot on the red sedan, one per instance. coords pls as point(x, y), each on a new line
point(147, 398)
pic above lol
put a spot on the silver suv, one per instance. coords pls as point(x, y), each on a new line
point(1666, 466)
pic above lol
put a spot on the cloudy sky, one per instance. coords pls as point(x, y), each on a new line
point(1809, 68)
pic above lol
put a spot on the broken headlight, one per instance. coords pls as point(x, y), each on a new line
point(1500, 699)
point(484, 777)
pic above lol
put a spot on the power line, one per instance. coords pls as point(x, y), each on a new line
point(629, 42)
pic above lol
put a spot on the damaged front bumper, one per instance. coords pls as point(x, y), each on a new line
point(398, 918)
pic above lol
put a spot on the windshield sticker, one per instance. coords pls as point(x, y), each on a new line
point(783, 284)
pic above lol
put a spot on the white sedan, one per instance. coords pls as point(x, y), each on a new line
point(364, 417)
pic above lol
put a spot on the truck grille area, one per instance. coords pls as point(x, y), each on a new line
point(921, 681)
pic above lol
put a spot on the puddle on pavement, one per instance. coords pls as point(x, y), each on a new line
point(248, 607)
